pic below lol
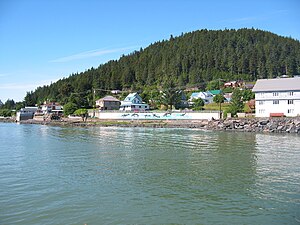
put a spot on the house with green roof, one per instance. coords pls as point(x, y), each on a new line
point(215, 92)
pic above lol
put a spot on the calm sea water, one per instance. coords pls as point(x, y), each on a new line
point(54, 175)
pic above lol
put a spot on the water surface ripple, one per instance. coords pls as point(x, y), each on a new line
point(55, 175)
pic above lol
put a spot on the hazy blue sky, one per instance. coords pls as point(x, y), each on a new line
point(42, 41)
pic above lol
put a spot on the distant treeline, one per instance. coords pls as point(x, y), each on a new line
point(192, 59)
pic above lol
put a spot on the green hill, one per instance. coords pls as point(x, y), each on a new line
point(191, 59)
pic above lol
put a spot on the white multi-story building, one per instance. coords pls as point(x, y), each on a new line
point(277, 97)
point(51, 107)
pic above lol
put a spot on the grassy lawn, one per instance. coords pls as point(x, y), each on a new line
point(216, 106)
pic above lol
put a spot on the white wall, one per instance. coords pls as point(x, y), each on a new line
point(264, 103)
point(159, 116)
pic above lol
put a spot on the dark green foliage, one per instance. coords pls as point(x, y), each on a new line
point(80, 99)
point(236, 104)
point(214, 85)
point(151, 95)
point(9, 104)
point(192, 59)
point(9, 107)
point(31, 97)
point(5, 112)
point(19, 105)
point(171, 95)
point(198, 104)
point(81, 112)
point(248, 95)
point(219, 98)
point(69, 108)
point(228, 89)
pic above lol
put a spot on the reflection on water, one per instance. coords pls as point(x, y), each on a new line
point(54, 175)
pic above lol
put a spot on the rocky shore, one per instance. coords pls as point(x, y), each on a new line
point(266, 125)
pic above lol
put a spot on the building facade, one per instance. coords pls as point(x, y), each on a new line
point(133, 102)
point(277, 97)
point(108, 103)
point(51, 107)
point(26, 113)
point(207, 97)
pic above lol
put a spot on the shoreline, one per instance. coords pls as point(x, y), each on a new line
point(256, 125)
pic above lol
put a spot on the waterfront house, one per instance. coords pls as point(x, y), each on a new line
point(51, 107)
point(133, 102)
point(26, 113)
point(207, 97)
point(277, 97)
point(108, 103)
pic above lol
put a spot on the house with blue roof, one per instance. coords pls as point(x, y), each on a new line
point(133, 102)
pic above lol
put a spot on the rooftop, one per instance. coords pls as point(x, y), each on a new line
point(278, 84)
point(132, 96)
point(109, 98)
point(215, 92)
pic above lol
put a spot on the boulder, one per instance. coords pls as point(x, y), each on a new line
point(263, 122)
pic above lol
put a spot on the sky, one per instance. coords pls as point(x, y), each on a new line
point(42, 41)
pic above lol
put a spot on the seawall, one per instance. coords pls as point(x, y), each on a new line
point(267, 125)
point(259, 125)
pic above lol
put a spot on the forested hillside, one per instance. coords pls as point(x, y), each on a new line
point(191, 59)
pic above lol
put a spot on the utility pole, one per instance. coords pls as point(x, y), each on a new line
point(94, 103)
point(220, 102)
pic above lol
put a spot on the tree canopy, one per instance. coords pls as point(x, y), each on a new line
point(219, 98)
point(81, 112)
point(198, 104)
point(191, 59)
point(236, 104)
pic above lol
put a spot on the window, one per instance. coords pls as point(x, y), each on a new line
point(290, 102)
point(261, 111)
point(290, 110)
point(275, 93)
point(261, 102)
point(275, 102)
point(291, 93)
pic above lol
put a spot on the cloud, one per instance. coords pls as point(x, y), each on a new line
point(242, 19)
point(255, 18)
point(17, 91)
point(89, 54)
point(25, 86)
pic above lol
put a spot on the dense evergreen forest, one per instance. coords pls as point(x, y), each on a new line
point(190, 60)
